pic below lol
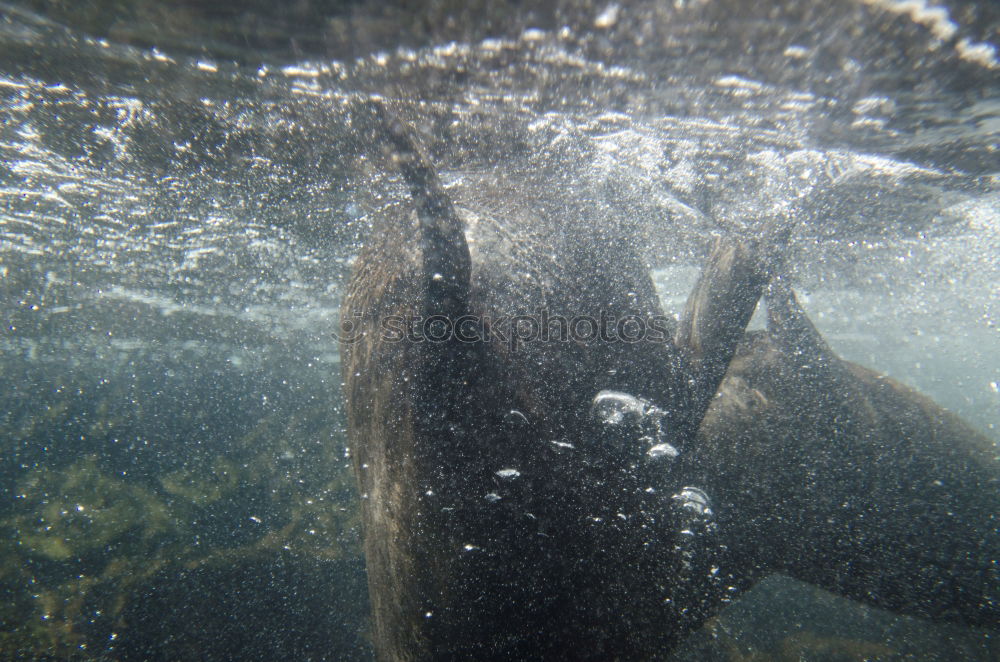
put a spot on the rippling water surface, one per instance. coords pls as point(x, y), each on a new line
point(176, 226)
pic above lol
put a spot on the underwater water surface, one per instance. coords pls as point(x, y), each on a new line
point(182, 195)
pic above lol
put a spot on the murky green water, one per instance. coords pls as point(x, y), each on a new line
point(181, 196)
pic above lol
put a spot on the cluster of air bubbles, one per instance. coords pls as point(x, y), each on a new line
point(634, 419)
point(504, 480)
point(699, 553)
point(693, 503)
point(695, 521)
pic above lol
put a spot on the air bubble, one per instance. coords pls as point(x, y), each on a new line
point(694, 502)
point(660, 451)
point(514, 418)
point(632, 424)
point(561, 446)
point(616, 408)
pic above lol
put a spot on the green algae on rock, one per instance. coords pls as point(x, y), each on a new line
point(80, 510)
